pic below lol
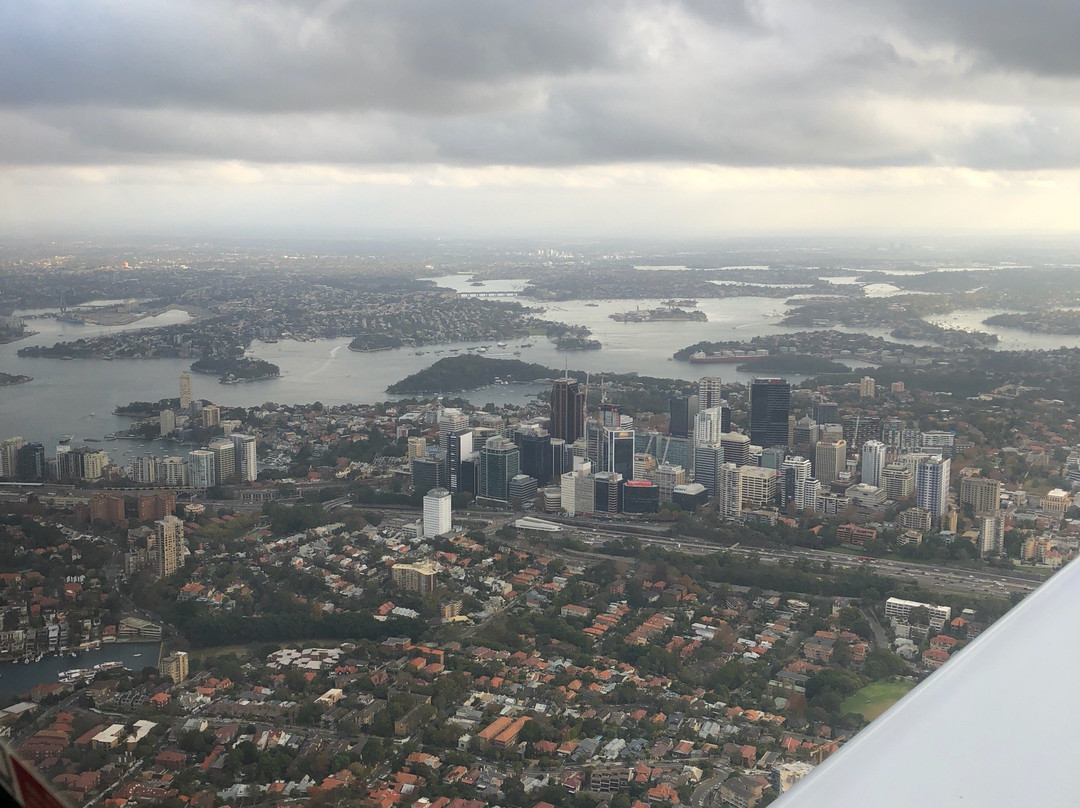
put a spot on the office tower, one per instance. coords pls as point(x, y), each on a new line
point(166, 421)
point(796, 472)
point(772, 458)
point(437, 513)
point(867, 387)
point(991, 534)
point(500, 462)
point(666, 449)
point(640, 496)
point(858, 429)
point(451, 420)
point(758, 487)
point(567, 410)
point(418, 578)
point(185, 390)
point(770, 406)
point(826, 412)
point(417, 447)
point(618, 452)
point(562, 459)
point(175, 666)
point(644, 465)
point(169, 543)
point(211, 416)
point(201, 469)
point(710, 392)
point(551, 498)
point(682, 411)
point(224, 461)
point(578, 493)
point(708, 426)
point(707, 461)
point(145, 469)
point(873, 462)
point(667, 478)
point(522, 490)
point(736, 448)
point(172, 471)
point(728, 491)
point(981, 493)
point(609, 492)
point(245, 457)
point(932, 485)
point(594, 442)
point(428, 473)
point(534, 443)
point(459, 445)
point(829, 460)
point(469, 477)
point(609, 416)
point(898, 480)
point(30, 465)
point(804, 436)
point(9, 450)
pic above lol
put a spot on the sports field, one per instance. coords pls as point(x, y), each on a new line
point(876, 698)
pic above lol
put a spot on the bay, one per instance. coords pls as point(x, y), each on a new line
point(17, 679)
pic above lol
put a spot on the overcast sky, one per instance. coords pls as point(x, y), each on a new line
point(547, 117)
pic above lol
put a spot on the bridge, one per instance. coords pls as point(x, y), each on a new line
point(487, 294)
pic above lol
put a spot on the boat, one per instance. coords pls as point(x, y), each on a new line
point(700, 357)
point(65, 438)
point(110, 436)
point(136, 655)
point(525, 345)
point(92, 440)
point(500, 344)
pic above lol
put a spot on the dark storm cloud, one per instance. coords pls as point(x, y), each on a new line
point(559, 82)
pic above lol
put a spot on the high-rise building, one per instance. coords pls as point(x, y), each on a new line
point(665, 448)
point(185, 391)
point(245, 457)
point(609, 492)
point(859, 428)
point(30, 465)
point(211, 416)
point(567, 410)
point(9, 451)
point(419, 578)
point(145, 469)
point(417, 447)
point(610, 416)
point(758, 487)
point(898, 480)
point(93, 463)
point(770, 406)
point(201, 469)
point(459, 446)
point(578, 492)
point(829, 460)
point(867, 387)
point(710, 392)
point(224, 461)
point(451, 420)
point(736, 448)
point(981, 493)
point(708, 426)
point(826, 412)
point(729, 491)
point(618, 452)
point(707, 461)
point(173, 471)
point(166, 422)
point(682, 411)
point(428, 473)
point(667, 478)
point(156, 506)
point(534, 443)
point(640, 496)
point(932, 485)
point(500, 462)
point(437, 513)
point(991, 534)
point(523, 490)
point(169, 543)
point(107, 508)
point(175, 666)
point(873, 462)
point(796, 473)
point(804, 436)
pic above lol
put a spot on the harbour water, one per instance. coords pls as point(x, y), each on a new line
point(17, 678)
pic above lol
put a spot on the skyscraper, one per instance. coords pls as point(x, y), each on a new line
point(707, 461)
point(201, 469)
point(873, 462)
point(169, 543)
point(30, 465)
point(451, 420)
point(710, 392)
point(567, 410)
point(617, 454)
point(682, 411)
point(796, 473)
point(534, 443)
point(224, 461)
point(708, 426)
point(8, 456)
point(829, 459)
point(499, 463)
point(437, 513)
point(932, 485)
point(185, 390)
point(728, 491)
point(245, 457)
point(770, 405)
point(459, 446)
point(736, 448)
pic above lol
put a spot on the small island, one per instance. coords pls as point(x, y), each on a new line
point(456, 373)
point(659, 316)
point(8, 379)
point(232, 370)
point(366, 343)
point(572, 338)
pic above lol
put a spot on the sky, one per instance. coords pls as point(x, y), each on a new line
point(548, 118)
